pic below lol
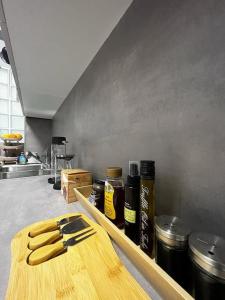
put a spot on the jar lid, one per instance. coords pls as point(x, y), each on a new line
point(171, 230)
point(114, 172)
point(208, 251)
point(99, 184)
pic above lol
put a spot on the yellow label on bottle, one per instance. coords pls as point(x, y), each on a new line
point(109, 207)
point(129, 215)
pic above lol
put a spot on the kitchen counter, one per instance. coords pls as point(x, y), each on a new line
point(24, 201)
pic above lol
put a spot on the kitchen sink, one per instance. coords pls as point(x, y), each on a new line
point(16, 171)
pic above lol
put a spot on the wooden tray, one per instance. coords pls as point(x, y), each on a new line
point(166, 286)
point(89, 270)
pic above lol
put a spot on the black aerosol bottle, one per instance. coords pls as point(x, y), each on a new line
point(132, 203)
point(147, 209)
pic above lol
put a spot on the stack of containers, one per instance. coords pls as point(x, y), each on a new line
point(195, 260)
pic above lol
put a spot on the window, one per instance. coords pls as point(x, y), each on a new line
point(11, 116)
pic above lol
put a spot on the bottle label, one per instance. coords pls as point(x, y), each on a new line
point(130, 215)
point(147, 216)
point(109, 207)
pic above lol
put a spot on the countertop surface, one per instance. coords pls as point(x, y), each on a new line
point(27, 200)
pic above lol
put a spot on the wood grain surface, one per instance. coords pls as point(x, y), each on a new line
point(90, 270)
point(165, 285)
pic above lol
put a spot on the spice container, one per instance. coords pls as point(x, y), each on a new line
point(97, 195)
point(147, 209)
point(207, 253)
point(114, 196)
point(132, 203)
point(172, 248)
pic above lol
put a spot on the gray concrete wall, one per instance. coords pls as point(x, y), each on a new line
point(38, 133)
point(156, 91)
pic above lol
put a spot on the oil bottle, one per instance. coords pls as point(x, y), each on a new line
point(114, 196)
point(147, 210)
point(132, 203)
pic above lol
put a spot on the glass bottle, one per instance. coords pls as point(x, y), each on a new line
point(147, 210)
point(97, 194)
point(132, 203)
point(114, 196)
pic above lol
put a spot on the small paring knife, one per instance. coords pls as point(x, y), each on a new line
point(51, 225)
point(52, 236)
point(50, 251)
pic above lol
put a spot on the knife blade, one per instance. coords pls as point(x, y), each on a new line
point(74, 226)
point(51, 225)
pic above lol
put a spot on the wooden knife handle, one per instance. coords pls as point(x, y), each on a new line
point(44, 239)
point(44, 253)
point(44, 227)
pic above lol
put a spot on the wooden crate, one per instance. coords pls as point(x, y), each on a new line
point(166, 286)
point(72, 178)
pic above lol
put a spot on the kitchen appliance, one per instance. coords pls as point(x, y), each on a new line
point(62, 161)
point(57, 148)
point(59, 160)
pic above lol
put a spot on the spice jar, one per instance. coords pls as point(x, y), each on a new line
point(97, 195)
point(114, 196)
point(207, 253)
point(172, 248)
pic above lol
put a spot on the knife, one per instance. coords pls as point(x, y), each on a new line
point(50, 251)
point(51, 225)
point(52, 236)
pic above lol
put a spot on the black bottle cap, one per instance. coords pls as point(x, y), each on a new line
point(58, 140)
point(147, 168)
point(99, 181)
point(133, 168)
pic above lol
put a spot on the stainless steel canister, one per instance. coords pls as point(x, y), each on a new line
point(172, 248)
point(207, 253)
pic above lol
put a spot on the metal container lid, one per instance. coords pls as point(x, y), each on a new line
point(208, 251)
point(172, 231)
point(114, 172)
point(99, 185)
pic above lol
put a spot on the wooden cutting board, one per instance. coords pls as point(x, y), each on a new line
point(89, 270)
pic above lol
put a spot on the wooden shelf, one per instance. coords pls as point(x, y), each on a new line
point(166, 286)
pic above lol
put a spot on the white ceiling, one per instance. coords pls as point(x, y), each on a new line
point(53, 41)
